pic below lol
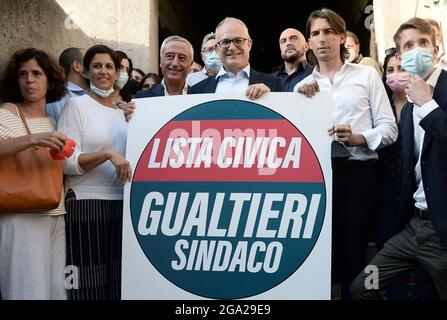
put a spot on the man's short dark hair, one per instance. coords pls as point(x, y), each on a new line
point(68, 57)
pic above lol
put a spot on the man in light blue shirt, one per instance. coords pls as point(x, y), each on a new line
point(233, 44)
point(71, 61)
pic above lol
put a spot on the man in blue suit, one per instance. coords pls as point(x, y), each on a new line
point(236, 75)
point(423, 210)
point(176, 58)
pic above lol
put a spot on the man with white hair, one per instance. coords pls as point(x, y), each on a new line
point(236, 75)
point(176, 58)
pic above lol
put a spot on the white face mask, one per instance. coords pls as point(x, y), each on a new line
point(101, 92)
point(122, 80)
point(352, 55)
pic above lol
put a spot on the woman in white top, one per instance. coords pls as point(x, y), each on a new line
point(94, 182)
point(32, 246)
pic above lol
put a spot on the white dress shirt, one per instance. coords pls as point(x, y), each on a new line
point(360, 101)
point(195, 77)
point(184, 90)
point(420, 113)
point(228, 82)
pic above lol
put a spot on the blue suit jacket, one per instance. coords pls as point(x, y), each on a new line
point(433, 161)
point(156, 91)
point(209, 85)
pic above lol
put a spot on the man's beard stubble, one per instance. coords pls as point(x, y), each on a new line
point(293, 57)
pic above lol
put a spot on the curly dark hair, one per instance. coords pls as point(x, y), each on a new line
point(54, 73)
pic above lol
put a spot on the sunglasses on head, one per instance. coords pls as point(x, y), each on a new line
point(390, 52)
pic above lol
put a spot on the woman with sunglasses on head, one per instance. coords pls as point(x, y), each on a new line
point(390, 157)
point(389, 167)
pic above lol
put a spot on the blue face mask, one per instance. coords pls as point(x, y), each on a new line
point(213, 61)
point(418, 61)
point(101, 92)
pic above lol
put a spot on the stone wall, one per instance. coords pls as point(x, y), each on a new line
point(36, 23)
point(53, 25)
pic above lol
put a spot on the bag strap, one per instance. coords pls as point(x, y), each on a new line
point(24, 121)
point(26, 125)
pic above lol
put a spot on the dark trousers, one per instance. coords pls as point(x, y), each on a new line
point(386, 216)
point(93, 237)
point(416, 244)
point(352, 211)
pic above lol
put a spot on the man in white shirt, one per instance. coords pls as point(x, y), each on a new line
point(236, 75)
point(176, 58)
point(363, 121)
point(423, 205)
point(71, 61)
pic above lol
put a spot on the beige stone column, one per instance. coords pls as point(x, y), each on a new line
point(390, 14)
point(153, 36)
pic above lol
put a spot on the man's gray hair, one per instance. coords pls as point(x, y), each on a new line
point(208, 37)
point(232, 19)
point(179, 39)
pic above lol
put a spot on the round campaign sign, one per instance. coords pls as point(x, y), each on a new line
point(228, 199)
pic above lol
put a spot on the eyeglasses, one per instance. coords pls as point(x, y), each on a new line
point(208, 49)
point(238, 42)
point(390, 52)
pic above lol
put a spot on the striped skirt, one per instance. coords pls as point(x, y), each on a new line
point(94, 239)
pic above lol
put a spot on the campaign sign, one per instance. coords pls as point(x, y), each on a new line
point(228, 197)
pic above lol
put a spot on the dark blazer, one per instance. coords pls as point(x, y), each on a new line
point(433, 161)
point(209, 85)
point(156, 91)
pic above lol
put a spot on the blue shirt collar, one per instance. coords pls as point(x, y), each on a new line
point(225, 74)
point(75, 88)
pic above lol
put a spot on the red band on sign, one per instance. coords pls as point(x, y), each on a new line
point(229, 150)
